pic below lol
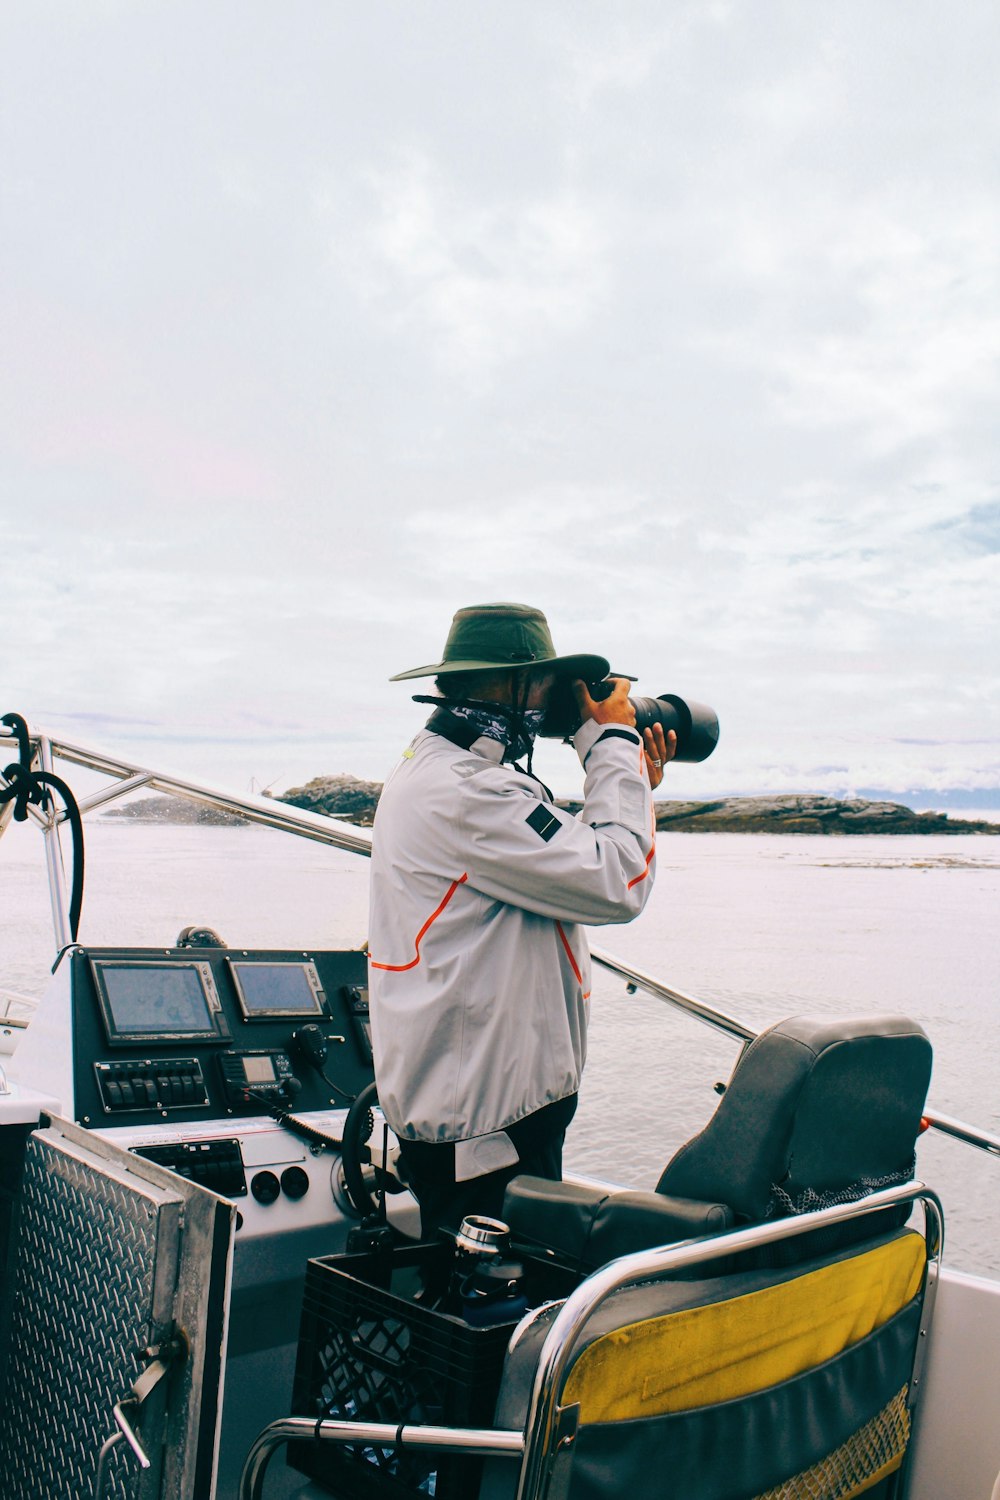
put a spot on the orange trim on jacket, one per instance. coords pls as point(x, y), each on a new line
point(649, 857)
point(401, 968)
point(649, 860)
point(572, 959)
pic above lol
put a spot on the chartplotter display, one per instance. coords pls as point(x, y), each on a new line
point(276, 989)
point(151, 1001)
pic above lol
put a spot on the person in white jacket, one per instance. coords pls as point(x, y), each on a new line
point(479, 974)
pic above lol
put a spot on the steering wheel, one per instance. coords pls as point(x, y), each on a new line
point(358, 1127)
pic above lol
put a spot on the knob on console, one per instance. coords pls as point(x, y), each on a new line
point(265, 1187)
point(294, 1182)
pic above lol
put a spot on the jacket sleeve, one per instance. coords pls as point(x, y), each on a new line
point(593, 869)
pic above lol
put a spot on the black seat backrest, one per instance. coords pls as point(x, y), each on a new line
point(817, 1111)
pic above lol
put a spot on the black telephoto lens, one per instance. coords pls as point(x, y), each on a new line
point(695, 724)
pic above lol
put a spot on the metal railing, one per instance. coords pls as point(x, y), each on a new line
point(128, 777)
point(272, 814)
point(15, 1007)
point(984, 1140)
point(637, 979)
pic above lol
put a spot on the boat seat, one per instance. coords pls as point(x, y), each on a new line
point(659, 1374)
point(788, 1382)
point(817, 1111)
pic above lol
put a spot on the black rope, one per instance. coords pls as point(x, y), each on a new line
point(26, 788)
point(20, 728)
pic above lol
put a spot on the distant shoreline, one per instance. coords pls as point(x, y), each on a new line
point(811, 814)
point(352, 800)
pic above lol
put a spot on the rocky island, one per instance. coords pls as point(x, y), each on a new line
point(340, 796)
point(354, 801)
point(808, 814)
point(165, 809)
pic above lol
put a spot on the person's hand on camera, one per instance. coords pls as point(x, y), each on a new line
point(615, 709)
point(660, 748)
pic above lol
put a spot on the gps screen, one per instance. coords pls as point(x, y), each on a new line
point(149, 1000)
point(276, 989)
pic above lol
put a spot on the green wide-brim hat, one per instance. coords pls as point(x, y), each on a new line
point(490, 637)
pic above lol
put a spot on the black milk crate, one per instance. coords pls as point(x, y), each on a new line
point(369, 1353)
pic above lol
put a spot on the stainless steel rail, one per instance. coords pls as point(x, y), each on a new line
point(543, 1435)
point(484, 1442)
point(970, 1134)
point(263, 810)
point(17, 997)
point(130, 777)
point(637, 979)
point(54, 857)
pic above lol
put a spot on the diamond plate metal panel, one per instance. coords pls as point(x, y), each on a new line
point(93, 1275)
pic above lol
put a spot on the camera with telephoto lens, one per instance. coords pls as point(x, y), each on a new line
point(695, 724)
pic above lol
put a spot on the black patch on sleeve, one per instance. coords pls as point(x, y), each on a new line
point(544, 822)
point(614, 734)
point(620, 734)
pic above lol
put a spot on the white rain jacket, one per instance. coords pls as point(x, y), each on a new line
point(479, 977)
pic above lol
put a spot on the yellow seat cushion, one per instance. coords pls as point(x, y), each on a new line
point(721, 1351)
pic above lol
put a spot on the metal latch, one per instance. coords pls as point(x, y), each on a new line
point(160, 1359)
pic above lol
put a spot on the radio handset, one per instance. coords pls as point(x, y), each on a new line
point(356, 996)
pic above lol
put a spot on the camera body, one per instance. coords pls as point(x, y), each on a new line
point(695, 724)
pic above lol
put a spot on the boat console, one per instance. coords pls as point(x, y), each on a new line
point(235, 1069)
point(181, 1034)
point(203, 1059)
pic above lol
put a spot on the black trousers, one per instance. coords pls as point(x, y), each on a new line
point(444, 1203)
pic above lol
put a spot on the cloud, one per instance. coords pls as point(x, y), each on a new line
point(681, 322)
point(626, 52)
point(485, 278)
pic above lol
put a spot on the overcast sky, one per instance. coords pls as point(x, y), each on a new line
point(679, 319)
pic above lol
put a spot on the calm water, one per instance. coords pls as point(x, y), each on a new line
point(759, 926)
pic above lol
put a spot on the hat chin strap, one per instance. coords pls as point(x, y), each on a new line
point(517, 732)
